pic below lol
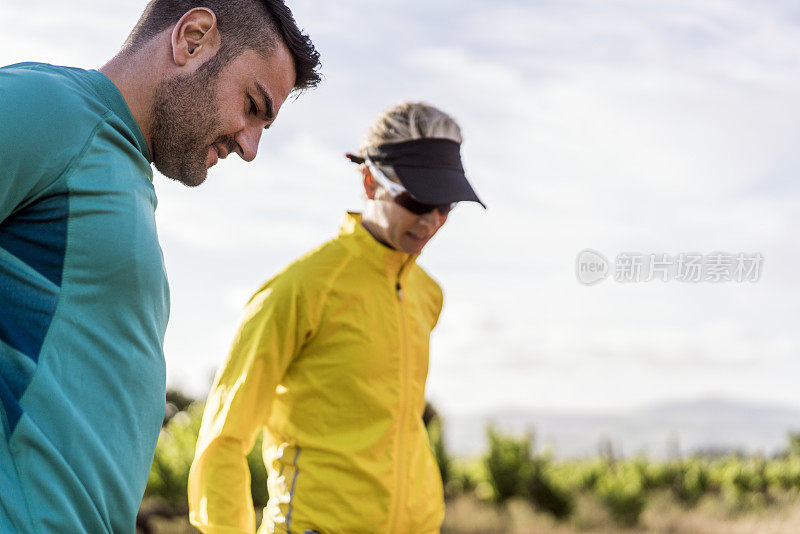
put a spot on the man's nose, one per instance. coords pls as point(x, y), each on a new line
point(248, 139)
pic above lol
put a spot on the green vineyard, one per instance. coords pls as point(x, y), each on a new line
point(515, 488)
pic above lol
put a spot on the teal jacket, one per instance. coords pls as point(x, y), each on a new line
point(83, 304)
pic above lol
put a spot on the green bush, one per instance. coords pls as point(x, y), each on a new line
point(579, 475)
point(622, 493)
point(436, 439)
point(544, 491)
point(743, 481)
point(169, 473)
point(506, 463)
point(794, 443)
point(658, 475)
point(691, 483)
point(467, 475)
point(258, 476)
point(784, 474)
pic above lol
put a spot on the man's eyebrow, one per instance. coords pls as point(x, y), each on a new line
point(269, 113)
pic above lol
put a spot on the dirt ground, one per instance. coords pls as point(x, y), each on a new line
point(468, 515)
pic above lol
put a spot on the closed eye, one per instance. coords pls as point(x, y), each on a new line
point(253, 107)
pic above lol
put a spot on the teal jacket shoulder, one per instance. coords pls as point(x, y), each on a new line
point(48, 114)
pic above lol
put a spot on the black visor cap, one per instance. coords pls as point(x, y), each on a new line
point(429, 168)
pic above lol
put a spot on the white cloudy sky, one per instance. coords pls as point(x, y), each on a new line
point(620, 125)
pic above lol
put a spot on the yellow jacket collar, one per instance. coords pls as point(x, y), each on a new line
point(394, 262)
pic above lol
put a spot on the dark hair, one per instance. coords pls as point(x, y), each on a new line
point(243, 24)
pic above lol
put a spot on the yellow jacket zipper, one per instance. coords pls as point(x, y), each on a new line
point(400, 496)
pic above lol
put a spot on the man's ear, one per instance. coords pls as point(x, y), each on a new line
point(369, 183)
point(195, 35)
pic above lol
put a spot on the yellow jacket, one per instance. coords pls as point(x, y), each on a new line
point(330, 361)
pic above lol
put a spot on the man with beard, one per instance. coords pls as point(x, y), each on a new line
point(83, 293)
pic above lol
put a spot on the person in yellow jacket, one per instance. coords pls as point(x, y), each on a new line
point(331, 358)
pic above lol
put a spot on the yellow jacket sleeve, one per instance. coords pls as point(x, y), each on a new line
point(272, 331)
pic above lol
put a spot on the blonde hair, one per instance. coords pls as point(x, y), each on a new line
point(410, 120)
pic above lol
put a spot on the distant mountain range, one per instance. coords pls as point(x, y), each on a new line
point(706, 425)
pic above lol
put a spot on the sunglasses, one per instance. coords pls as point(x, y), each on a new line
point(402, 197)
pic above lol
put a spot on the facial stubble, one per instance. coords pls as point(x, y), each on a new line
point(185, 116)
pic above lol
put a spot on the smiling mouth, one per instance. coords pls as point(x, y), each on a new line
point(216, 152)
point(211, 157)
point(222, 152)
